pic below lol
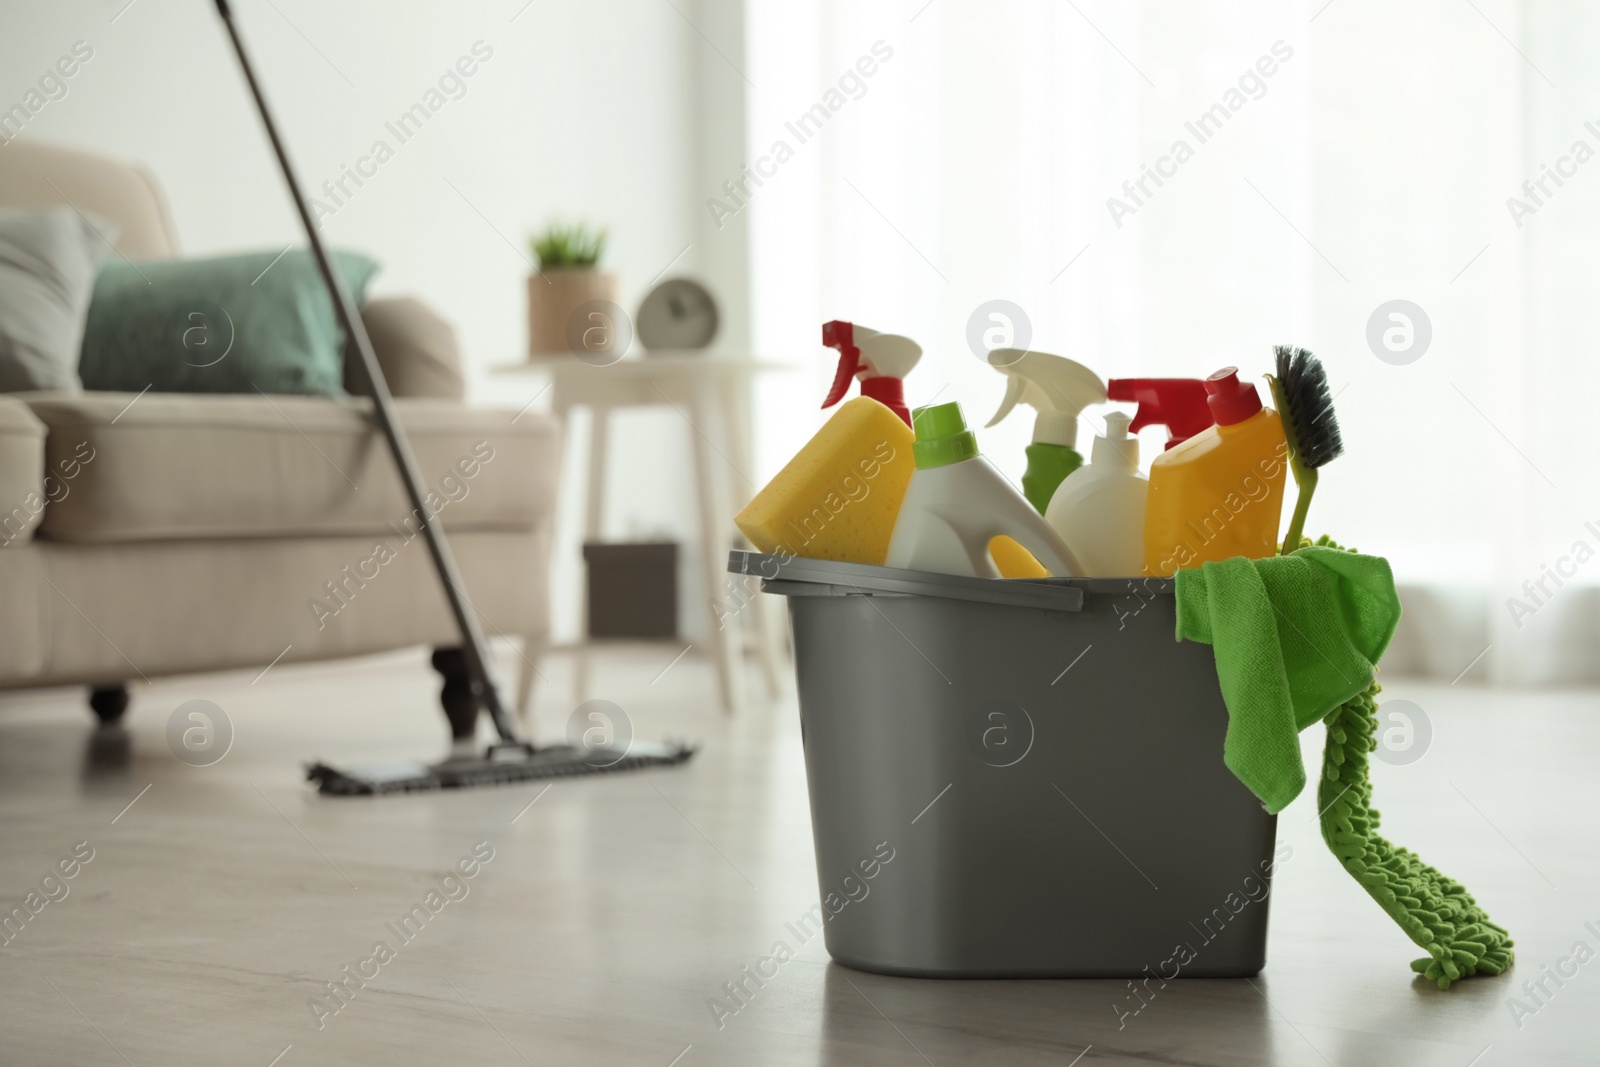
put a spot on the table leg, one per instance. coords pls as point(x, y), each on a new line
point(593, 517)
point(716, 519)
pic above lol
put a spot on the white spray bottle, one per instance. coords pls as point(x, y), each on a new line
point(957, 503)
point(1058, 389)
point(1099, 509)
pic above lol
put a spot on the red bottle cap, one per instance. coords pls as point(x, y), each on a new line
point(1231, 400)
point(1179, 404)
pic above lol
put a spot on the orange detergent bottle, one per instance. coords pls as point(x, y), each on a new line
point(1218, 494)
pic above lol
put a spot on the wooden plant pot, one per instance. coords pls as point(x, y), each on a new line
point(555, 298)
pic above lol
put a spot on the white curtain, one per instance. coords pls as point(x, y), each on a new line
point(1312, 165)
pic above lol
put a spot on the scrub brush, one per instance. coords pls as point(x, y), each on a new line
point(1300, 391)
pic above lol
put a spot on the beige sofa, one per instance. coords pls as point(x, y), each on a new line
point(161, 534)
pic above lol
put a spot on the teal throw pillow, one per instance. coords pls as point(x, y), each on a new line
point(233, 324)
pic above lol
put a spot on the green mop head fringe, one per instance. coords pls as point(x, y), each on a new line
point(1435, 911)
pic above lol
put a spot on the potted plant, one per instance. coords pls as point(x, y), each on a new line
point(568, 278)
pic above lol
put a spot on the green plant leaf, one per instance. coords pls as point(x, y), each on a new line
point(569, 247)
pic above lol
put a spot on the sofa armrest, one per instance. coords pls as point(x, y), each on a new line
point(415, 346)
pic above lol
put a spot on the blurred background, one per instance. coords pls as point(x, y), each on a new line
point(993, 153)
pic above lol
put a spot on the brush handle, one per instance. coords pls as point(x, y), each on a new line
point(1308, 485)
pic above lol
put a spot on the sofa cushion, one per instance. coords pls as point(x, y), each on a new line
point(22, 477)
point(255, 322)
point(23, 623)
point(48, 263)
point(105, 613)
point(173, 466)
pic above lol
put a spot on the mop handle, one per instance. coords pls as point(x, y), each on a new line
point(472, 640)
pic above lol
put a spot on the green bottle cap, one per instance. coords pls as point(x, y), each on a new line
point(942, 436)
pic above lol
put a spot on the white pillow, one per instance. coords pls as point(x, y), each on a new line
point(48, 264)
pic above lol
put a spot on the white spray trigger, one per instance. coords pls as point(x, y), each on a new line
point(1015, 387)
point(1054, 386)
point(886, 355)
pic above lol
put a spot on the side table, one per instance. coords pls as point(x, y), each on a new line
point(712, 394)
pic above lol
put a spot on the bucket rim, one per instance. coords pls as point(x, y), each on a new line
point(832, 577)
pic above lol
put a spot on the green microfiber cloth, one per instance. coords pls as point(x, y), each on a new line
point(1295, 637)
point(1332, 614)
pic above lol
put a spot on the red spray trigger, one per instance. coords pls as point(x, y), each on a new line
point(1179, 404)
point(841, 335)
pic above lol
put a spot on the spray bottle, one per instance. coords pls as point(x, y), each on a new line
point(880, 360)
point(1058, 389)
point(957, 504)
point(1099, 509)
point(1179, 404)
point(1218, 494)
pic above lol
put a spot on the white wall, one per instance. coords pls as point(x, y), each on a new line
point(584, 109)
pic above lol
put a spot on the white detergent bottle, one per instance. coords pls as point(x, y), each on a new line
point(1099, 509)
point(957, 503)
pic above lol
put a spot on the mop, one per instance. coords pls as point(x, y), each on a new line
point(1434, 910)
point(510, 759)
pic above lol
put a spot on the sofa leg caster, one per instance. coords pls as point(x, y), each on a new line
point(109, 703)
point(460, 703)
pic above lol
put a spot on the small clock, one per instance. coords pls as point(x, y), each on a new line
point(677, 314)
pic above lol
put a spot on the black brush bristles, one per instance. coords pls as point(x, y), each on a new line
point(1305, 407)
point(1308, 407)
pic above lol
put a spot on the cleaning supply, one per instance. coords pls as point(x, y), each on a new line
point(1433, 909)
point(1294, 637)
point(1300, 389)
point(1219, 493)
point(957, 503)
point(1099, 509)
point(907, 680)
point(1058, 390)
point(880, 360)
point(1296, 640)
point(839, 495)
point(1179, 404)
point(1014, 561)
point(510, 759)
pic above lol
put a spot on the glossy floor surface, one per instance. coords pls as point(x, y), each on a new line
point(221, 900)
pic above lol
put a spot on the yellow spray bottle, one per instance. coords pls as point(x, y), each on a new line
point(1218, 494)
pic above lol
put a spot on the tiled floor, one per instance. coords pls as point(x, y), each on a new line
point(223, 900)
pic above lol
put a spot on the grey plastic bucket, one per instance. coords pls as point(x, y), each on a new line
point(1041, 762)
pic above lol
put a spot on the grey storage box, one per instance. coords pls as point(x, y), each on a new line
point(633, 589)
point(1042, 760)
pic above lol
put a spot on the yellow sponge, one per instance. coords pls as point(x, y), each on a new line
point(1014, 561)
point(839, 496)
